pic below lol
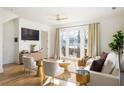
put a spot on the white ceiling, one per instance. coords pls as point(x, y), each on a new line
point(6, 16)
point(46, 14)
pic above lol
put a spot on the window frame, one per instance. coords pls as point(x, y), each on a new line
point(82, 41)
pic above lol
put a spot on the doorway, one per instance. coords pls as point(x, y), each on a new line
point(44, 43)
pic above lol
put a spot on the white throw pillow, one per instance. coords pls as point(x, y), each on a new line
point(89, 61)
point(109, 63)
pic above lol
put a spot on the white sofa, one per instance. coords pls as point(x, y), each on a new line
point(110, 74)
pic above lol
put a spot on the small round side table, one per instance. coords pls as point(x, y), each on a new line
point(82, 76)
point(64, 65)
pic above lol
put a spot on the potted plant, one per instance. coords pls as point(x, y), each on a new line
point(32, 47)
point(117, 43)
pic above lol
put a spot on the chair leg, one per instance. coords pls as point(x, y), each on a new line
point(29, 72)
point(24, 71)
point(47, 81)
point(53, 80)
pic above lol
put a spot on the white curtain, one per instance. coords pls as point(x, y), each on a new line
point(57, 45)
point(94, 40)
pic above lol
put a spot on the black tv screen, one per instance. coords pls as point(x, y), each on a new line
point(29, 34)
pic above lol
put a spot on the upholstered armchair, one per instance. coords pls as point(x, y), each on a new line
point(29, 63)
point(51, 69)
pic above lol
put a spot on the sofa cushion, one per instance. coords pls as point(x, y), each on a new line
point(103, 55)
point(116, 71)
point(109, 63)
point(97, 65)
point(87, 67)
point(89, 61)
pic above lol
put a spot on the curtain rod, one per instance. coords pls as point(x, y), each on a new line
point(75, 26)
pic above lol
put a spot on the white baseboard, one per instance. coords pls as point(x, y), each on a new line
point(1, 70)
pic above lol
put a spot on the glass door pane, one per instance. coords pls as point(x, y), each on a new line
point(85, 39)
point(63, 36)
point(74, 43)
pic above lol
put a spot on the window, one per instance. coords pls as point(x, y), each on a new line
point(85, 40)
point(73, 42)
point(63, 36)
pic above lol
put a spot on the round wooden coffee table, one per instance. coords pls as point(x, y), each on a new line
point(82, 76)
point(64, 65)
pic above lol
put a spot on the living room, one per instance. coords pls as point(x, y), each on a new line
point(72, 44)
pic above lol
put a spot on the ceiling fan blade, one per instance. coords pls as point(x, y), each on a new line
point(61, 18)
point(57, 17)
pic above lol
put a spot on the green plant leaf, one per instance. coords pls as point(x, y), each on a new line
point(118, 40)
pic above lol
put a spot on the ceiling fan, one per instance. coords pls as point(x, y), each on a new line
point(59, 17)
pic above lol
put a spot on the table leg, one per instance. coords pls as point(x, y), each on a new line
point(66, 68)
point(40, 72)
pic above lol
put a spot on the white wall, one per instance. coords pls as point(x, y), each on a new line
point(109, 25)
point(1, 48)
point(25, 44)
point(4, 17)
point(12, 29)
point(51, 42)
point(10, 47)
point(16, 24)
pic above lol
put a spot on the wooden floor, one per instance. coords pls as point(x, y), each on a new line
point(14, 76)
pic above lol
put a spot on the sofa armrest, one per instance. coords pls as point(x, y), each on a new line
point(102, 79)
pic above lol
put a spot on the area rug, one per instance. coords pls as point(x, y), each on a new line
point(67, 76)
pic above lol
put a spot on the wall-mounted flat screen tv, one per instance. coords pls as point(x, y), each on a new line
point(29, 34)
